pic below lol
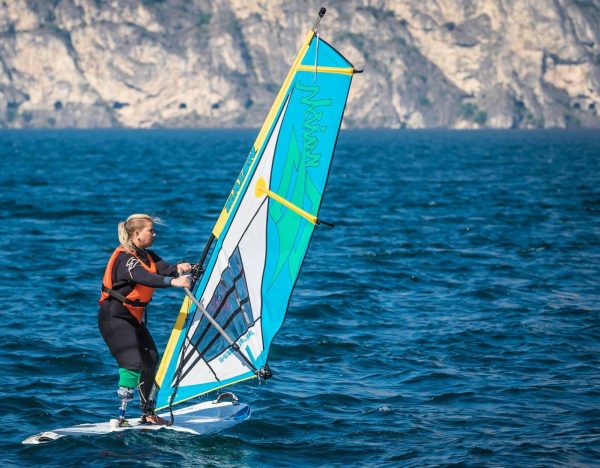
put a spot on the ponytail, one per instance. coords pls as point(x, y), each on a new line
point(127, 228)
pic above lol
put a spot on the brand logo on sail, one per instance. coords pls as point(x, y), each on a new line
point(312, 122)
point(243, 340)
point(240, 180)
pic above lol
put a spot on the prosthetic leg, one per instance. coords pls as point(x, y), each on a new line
point(125, 394)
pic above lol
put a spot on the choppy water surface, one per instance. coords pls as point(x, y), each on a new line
point(451, 317)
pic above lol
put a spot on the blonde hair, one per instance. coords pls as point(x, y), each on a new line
point(133, 223)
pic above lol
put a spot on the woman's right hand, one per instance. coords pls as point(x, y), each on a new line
point(181, 282)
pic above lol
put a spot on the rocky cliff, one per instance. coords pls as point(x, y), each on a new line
point(180, 63)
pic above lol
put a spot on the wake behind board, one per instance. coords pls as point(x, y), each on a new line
point(203, 418)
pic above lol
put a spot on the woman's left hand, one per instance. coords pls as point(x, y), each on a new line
point(183, 268)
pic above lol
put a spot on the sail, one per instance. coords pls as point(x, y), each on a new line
point(262, 234)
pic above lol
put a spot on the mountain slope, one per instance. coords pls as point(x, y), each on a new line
point(435, 63)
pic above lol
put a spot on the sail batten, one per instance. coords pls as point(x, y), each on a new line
point(262, 234)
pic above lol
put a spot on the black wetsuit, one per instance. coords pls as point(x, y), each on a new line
point(129, 341)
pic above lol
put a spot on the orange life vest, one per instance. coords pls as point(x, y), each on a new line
point(137, 300)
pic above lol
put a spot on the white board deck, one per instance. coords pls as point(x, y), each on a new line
point(203, 418)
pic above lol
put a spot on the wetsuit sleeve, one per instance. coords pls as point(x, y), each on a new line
point(128, 268)
point(162, 267)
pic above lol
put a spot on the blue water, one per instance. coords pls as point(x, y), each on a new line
point(451, 317)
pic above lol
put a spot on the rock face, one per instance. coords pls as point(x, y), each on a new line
point(203, 63)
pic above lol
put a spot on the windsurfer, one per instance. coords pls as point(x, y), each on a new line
point(131, 275)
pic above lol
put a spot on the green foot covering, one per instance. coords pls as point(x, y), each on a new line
point(128, 378)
